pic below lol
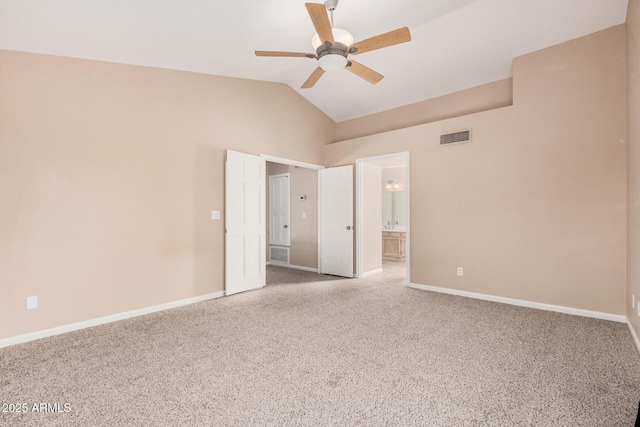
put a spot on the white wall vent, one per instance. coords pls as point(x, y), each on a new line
point(455, 138)
point(279, 254)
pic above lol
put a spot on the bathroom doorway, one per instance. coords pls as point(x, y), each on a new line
point(383, 218)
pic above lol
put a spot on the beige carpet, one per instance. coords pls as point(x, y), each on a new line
point(334, 352)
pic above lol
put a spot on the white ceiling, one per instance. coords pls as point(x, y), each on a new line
point(456, 44)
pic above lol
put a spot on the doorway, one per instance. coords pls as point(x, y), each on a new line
point(292, 216)
point(292, 221)
point(246, 242)
point(382, 221)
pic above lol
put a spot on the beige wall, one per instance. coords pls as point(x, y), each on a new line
point(371, 212)
point(480, 98)
point(304, 231)
point(535, 207)
point(633, 194)
point(109, 174)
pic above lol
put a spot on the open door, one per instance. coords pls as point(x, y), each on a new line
point(245, 247)
point(336, 221)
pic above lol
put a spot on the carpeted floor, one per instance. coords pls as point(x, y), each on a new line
point(332, 352)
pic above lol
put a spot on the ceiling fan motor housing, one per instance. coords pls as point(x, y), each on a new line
point(332, 57)
point(337, 49)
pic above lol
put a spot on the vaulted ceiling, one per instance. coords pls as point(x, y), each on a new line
point(456, 44)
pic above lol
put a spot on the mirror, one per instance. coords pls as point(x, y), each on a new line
point(394, 208)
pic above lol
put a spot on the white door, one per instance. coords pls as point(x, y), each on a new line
point(245, 251)
point(279, 210)
point(336, 221)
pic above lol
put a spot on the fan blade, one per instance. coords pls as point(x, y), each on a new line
point(313, 78)
point(320, 19)
point(364, 72)
point(401, 35)
point(287, 54)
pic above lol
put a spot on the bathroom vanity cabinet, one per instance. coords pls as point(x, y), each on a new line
point(393, 245)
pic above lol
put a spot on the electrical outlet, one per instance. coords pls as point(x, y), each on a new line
point(304, 215)
point(215, 214)
point(633, 300)
point(32, 302)
point(460, 271)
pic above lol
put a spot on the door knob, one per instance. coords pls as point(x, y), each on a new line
point(348, 227)
point(286, 226)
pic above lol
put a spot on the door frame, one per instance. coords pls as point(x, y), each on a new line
point(290, 162)
point(376, 160)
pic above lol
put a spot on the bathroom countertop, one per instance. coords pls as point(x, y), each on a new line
point(397, 228)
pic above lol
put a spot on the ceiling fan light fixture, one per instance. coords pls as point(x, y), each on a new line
point(332, 62)
point(333, 57)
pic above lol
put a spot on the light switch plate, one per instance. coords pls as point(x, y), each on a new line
point(215, 214)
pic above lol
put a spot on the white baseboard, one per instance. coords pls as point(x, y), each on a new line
point(634, 335)
point(522, 303)
point(295, 267)
point(372, 272)
point(19, 339)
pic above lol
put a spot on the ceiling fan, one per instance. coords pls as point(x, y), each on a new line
point(333, 46)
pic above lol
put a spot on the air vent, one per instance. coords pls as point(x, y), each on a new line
point(455, 138)
point(279, 254)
